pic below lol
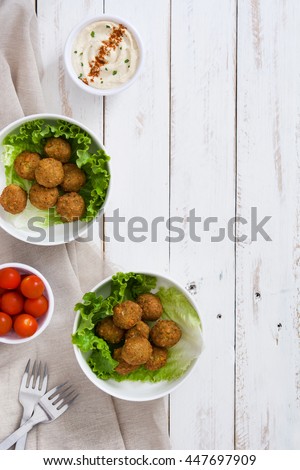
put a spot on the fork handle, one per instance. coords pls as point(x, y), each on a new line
point(39, 416)
point(21, 443)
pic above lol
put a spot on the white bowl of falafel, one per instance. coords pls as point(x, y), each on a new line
point(54, 179)
point(137, 336)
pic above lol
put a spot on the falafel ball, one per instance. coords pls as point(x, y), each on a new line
point(140, 329)
point(151, 306)
point(122, 368)
point(74, 178)
point(13, 199)
point(49, 172)
point(25, 164)
point(43, 198)
point(58, 148)
point(165, 333)
point(107, 330)
point(157, 359)
point(136, 350)
point(70, 207)
point(127, 314)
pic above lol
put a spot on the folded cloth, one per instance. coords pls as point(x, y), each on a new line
point(96, 420)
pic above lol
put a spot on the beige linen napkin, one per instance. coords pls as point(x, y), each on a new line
point(96, 420)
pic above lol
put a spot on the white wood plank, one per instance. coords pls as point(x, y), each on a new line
point(56, 20)
point(136, 134)
point(203, 177)
point(268, 356)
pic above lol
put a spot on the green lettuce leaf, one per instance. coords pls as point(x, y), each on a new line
point(101, 361)
point(32, 136)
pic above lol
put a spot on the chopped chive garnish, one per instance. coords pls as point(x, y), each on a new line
point(121, 47)
point(127, 60)
point(106, 68)
point(93, 34)
point(81, 53)
point(115, 72)
point(107, 26)
point(79, 76)
point(129, 66)
point(75, 52)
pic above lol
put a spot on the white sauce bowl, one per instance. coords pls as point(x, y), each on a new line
point(69, 51)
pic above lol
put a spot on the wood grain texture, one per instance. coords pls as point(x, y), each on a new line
point(61, 94)
point(267, 341)
point(137, 136)
point(203, 178)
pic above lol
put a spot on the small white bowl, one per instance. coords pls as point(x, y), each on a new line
point(69, 48)
point(44, 320)
point(56, 234)
point(135, 390)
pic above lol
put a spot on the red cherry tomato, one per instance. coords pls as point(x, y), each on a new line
point(32, 287)
point(5, 323)
point(9, 278)
point(12, 303)
point(36, 307)
point(25, 325)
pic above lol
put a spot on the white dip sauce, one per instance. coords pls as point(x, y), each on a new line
point(105, 55)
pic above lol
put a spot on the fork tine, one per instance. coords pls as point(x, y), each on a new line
point(66, 401)
point(70, 397)
point(25, 375)
point(32, 378)
point(62, 395)
point(64, 391)
point(71, 401)
point(38, 376)
point(59, 395)
point(44, 380)
point(50, 395)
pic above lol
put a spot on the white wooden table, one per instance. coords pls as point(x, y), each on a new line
point(212, 124)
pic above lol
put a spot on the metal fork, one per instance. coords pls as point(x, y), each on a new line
point(33, 387)
point(52, 405)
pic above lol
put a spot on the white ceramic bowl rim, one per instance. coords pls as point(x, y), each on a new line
point(69, 47)
point(48, 315)
point(104, 384)
point(83, 226)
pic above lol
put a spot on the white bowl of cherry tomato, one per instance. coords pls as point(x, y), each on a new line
point(26, 303)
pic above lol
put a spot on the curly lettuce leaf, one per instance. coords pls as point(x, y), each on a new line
point(101, 361)
point(32, 136)
point(124, 286)
point(127, 286)
point(95, 189)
